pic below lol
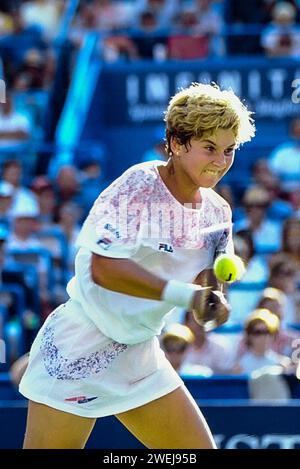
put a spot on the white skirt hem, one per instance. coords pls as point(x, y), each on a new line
point(104, 411)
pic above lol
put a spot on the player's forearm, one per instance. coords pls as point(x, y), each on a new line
point(125, 276)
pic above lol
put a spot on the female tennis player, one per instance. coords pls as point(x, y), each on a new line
point(146, 246)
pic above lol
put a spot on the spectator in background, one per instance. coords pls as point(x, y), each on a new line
point(69, 215)
point(282, 37)
point(256, 267)
point(117, 47)
point(260, 328)
point(5, 298)
point(14, 126)
point(273, 300)
point(5, 23)
point(6, 197)
point(188, 22)
point(283, 341)
point(284, 160)
point(198, 30)
point(24, 236)
point(244, 299)
point(12, 174)
point(294, 198)
point(109, 19)
point(112, 15)
point(84, 23)
point(210, 16)
point(25, 226)
point(175, 342)
point(208, 349)
point(164, 11)
point(33, 73)
point(148, 35)
point(92, 182)
point(268, 6)
point(14, 46)
point(211, 21)
point(45, 14)
point(266, 232)
point(187, 41)
point(3, 238)
point(44, 191)
point(52, 236)
point(225, 191)
point(283, 275)
point(264, 177)
point(66, 185)
point(291, 242)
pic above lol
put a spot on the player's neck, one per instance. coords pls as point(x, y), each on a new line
point(180, 188)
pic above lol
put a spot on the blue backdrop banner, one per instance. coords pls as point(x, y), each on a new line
point(139, 92)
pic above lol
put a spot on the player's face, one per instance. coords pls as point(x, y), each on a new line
point(209, 159)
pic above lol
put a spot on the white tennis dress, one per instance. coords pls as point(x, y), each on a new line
point(98, 354)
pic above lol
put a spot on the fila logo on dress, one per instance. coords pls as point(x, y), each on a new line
point(165, 247)
point(104, 243)
point(80, 399)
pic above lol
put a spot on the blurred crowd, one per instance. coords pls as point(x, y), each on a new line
point(143, 29)
point(189, 29)
point(27, 33)
point(41, 211)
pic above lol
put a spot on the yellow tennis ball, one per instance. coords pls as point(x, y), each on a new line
point(228, 268)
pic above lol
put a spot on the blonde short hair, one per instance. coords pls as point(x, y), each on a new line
point(178, 332)
point(273, 294)
point(269, 319)
point(201, 109)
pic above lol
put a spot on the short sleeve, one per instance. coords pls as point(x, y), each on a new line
point(225, 244)
point(113, 226)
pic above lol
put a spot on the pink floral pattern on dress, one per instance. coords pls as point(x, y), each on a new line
point(135, 199)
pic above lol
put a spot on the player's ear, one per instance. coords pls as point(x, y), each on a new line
point(175, 146)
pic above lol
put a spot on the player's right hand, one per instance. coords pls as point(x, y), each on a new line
point(210, 307)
